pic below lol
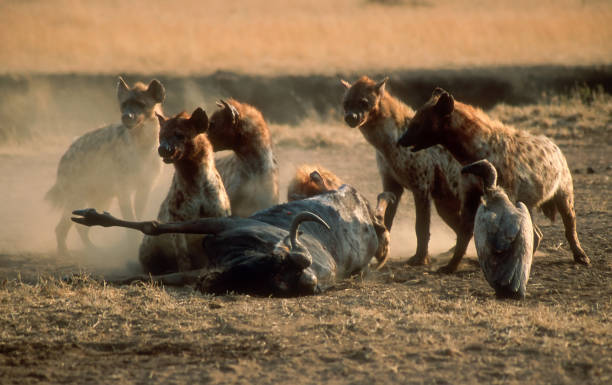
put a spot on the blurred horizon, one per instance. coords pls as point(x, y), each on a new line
point(260, 37)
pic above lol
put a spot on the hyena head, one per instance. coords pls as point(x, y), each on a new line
point(177, 136)
point(224, 131)
point(360, 99)
point(427, 127)
point(310, 181)
point(140, 102)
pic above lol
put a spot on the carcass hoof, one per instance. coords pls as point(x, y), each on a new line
point(416, 260)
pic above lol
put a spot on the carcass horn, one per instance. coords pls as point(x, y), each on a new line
point(304, 216)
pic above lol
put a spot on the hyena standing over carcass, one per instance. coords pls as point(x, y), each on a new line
point(431, 174)
point(531, 169)
point(196, 192)
point(250, 174)
point(113, 161)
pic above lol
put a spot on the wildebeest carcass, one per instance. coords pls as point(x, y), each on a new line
point(277, 251)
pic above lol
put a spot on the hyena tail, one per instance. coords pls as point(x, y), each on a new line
point(55, 197)
point(549, 209)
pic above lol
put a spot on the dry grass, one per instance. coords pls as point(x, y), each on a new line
point(321, 36)
point(407, 326)
point(401, 325)
point(580, 114)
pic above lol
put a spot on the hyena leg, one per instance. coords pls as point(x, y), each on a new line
point(537, 233)
point(449, 212)
point(127, 211)
point(422, 205)
point(61, 233)
point(565, 204)
point(99, 202)
point(140, 200)
point(84, 234)
point(466, 230)
point(125, 205)
point(389, 184)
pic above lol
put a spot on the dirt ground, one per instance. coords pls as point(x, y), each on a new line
point(402, 324)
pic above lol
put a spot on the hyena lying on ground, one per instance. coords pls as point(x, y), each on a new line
point(431, 174)
point(250, 174)
point(311, 180)
point(113, 161)
point(531, 169)
point(196, 192)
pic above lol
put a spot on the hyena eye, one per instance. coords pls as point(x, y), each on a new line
point(180, 137)
point(364, 103)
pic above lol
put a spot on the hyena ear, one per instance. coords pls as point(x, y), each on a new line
point(346, 84)
point(380, 86)
point(230, 111)
point(200, 120)
point(437, 92)
point(317, 179)
point(445, 104)
point(160, 119)
point(156, 91)
point(122, 88)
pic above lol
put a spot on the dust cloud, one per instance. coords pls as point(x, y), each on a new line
point(46, 119)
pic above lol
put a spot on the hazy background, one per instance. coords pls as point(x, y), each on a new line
point(319, 36)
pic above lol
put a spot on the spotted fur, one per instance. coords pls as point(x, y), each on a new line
point(250, 173)
point(196, 191)
point(115, 161)
point(531, 168)
point(431, 174)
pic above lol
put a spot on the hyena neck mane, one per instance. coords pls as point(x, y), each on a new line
point(471, 135)
point(198, 164)
point(385, 122)
point(255, 149)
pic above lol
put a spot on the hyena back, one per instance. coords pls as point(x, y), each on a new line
point(118, 160)
point(196, 191)
point(429, 175)
point(531, 169)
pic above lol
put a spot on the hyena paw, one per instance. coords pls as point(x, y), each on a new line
point(582, 259)
point(418, 260)
point(447, 269)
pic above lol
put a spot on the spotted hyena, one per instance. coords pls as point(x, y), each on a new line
point(531, 169)
point(429, 175)
point(113, 161)
point(196, 192)
point(250, 173)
